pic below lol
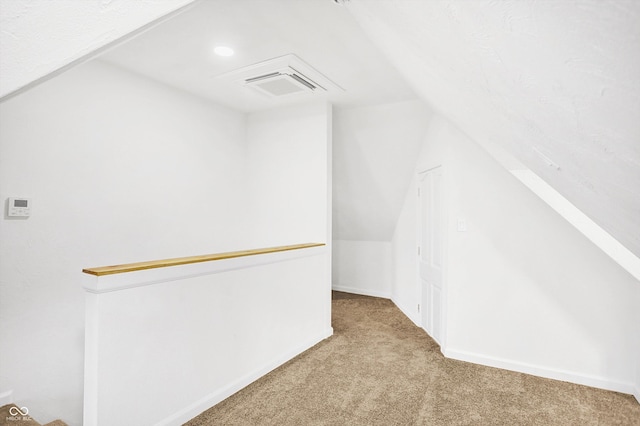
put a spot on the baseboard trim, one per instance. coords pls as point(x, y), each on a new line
point(212, 399)
point(6, 397)
point(535, 370)
point(636, 393)
point(414, 318)
point(362, 291)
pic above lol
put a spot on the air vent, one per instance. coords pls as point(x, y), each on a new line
point(283, 83)
point(283, 77)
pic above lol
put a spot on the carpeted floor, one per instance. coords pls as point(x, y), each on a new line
point(380, 369)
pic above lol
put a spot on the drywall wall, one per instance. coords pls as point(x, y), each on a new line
point(287, 174)
point(557, 77)
point(40, 37)
point(362, 267)
point(184, 338)
point(374, 152)
point(119, 169)
point(525, 290)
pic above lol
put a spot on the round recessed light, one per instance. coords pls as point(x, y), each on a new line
point(223, 51)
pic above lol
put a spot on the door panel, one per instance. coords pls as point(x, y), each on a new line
point(431, 250)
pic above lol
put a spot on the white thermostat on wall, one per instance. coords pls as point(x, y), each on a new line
point(19, 207)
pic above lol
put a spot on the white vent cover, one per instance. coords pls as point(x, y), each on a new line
point(283, 77)
point(284, 82)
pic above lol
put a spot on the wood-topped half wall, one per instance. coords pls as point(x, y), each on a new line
point(139, 266)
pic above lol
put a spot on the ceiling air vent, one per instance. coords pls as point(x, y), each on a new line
point(283, 77)
point(282, 83)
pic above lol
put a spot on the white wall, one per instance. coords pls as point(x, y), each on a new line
point(164, 345)
point(374, 153)
point(287, 174)
point(119, 169)
point(362, 267)
point(526, 291)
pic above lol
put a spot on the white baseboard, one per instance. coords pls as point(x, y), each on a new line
point(362, 291)
point(636, 393)
point(6, 397)
point(415, 318)
point(535, 370)
point(212, 399)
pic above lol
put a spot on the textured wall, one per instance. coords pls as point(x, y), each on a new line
point(39, 37)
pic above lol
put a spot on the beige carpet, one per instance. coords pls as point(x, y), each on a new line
point(380, 369)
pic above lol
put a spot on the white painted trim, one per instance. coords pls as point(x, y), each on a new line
point(601, 238)
point(636, 393)
point(541, 371)
point(329, 214)
point(117, 282)
point(212, 399)
point(6, 397)
point(91, 360)
point(414, 318)
point(362, 291)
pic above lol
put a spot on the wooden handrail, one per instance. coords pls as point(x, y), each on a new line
point(139, 266)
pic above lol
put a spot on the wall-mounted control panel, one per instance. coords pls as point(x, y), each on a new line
point(19, 207)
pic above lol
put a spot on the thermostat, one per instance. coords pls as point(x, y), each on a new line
point(19, 207)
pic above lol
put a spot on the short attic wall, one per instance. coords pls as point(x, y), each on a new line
point(362, 267)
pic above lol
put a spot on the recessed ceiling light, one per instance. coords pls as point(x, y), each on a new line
point(223, 51)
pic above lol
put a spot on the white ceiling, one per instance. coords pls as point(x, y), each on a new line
point(179, 52)
point(40, 38)
point(558, 77)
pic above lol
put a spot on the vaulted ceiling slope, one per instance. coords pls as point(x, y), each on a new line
point(39, 38)
point(557, 84)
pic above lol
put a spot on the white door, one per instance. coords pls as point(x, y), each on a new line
point(431, 250)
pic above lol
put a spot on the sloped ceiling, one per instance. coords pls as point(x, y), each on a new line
point(559, 79)
point(41, 37)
